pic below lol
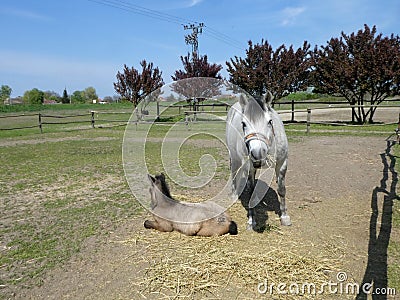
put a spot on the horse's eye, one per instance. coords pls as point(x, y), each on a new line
point(243, 125)
point(270, 123)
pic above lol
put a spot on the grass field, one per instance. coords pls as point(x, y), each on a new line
point(64, 186)
point(58, 190)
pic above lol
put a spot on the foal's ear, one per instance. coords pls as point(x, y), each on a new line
point(151, 179)
point(267, 98)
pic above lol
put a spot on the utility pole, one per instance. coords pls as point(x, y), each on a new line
point(192, 38)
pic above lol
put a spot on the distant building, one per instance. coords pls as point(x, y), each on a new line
point(13, 101)
point(48, 101)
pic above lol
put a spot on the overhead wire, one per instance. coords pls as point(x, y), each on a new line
point(151, 13)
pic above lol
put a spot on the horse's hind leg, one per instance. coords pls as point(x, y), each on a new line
point(280, 175)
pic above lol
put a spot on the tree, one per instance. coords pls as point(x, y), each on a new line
point(78, 97)
point(90, 94)
point(34, 96)
point(132, 85)
point(51, 95)
point(362, 67)
point(5, 93)
point(198, 66)
point(65, 99)
point(282, 71)
point(197, 89)
point(108, 99)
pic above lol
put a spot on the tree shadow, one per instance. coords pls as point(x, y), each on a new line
point(269, 202)
point(376, 273)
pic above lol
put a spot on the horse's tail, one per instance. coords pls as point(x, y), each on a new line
point(233, 228)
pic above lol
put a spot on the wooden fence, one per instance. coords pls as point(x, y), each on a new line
point(94, 118)
point(43, 119)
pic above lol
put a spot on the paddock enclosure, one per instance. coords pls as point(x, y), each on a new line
point(71, 228)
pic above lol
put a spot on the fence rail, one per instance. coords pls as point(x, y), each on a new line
point(93, 120)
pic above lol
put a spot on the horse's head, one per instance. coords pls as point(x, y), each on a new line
point(158, 189)
point(257, 127)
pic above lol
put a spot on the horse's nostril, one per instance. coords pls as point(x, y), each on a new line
point(259, 153)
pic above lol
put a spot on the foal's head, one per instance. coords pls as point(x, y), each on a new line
point(257, 127)
point(158, 188)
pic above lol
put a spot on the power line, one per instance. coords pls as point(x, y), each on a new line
point(223, 38)
point(137, 9)
point(125, 6)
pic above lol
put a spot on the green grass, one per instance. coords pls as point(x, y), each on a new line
point(302, 96)
point(56, 193)
point(22, 108)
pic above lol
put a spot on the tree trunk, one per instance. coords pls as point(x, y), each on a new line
point(372, 113)
point(359, 114)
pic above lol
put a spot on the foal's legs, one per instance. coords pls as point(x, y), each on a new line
point(280, 175)
point(163, 227)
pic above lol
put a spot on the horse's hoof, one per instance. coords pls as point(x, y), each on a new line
point(285, 221)
point(147, 224)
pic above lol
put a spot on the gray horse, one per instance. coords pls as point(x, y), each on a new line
point(256, 138)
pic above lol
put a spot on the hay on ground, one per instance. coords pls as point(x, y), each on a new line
point(225, 267)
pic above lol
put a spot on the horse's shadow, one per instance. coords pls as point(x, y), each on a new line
point(269, 202)
point(376, 272)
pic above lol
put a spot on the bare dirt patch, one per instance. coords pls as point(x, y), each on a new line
point(329, 188)
point(40, 139)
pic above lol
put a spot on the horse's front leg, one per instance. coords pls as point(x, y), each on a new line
point(280, 174)
point(251, 222)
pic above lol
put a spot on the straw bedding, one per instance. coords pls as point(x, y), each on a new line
point(174, 266)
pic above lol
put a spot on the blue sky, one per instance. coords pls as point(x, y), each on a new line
point(52, 44)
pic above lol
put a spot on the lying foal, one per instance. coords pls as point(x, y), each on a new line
point(203, 219)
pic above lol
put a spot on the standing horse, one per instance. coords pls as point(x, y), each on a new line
point(255, 137)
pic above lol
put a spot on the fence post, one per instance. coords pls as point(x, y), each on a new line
point(398, 131)
point(187, 120)
point(158, 111)
point(308, 120)
point(292, 111)
point(40, 123)
point(92, 118)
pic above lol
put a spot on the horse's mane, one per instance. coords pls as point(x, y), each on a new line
point(255, 108)
point(261, 101)
point(164, 185)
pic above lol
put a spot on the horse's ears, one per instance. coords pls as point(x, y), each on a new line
point(243, 100)
point(268, 98)
point(162, 177)
point(151, 179)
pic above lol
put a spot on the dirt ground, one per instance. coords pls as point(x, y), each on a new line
point(330, 184)
point(382, 114)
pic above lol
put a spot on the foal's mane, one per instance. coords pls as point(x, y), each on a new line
point(164, 185)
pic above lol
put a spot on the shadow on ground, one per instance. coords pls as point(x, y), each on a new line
point(376, 273)
point(269, 202)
